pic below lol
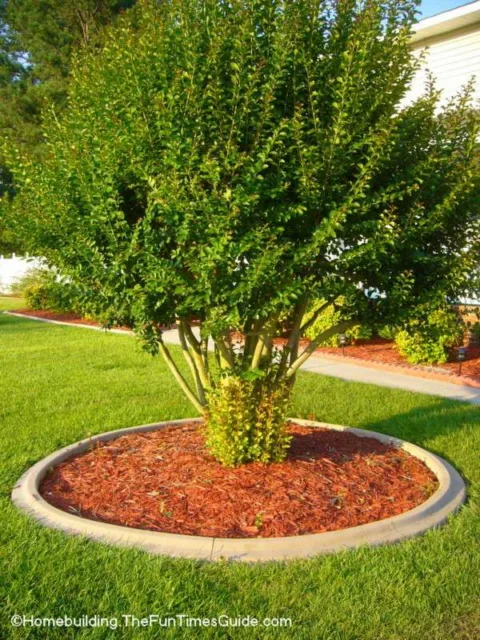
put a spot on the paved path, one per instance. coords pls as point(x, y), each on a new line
point(345, 371)
point(359, 373)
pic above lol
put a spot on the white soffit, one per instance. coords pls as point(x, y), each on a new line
point(459, 18)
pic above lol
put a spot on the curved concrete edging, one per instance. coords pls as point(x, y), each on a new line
point(432, 513)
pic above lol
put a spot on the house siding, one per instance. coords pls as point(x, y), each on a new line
point(453, 58)
point(14, 268)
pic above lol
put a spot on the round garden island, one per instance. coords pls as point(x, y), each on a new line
point(156, 487)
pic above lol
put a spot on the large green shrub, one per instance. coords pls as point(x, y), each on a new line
point(231, 162)
point(429, 340)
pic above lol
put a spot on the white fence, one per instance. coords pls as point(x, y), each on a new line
point(11, 269)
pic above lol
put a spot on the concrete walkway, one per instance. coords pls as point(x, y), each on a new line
point(345, 371)
point(359, 373)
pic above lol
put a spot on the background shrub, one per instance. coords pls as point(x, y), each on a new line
point(43, 289)
point(329, 318)
point(389, 331)
point(429, 341)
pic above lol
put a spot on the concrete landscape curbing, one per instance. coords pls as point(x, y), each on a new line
point(434, 512)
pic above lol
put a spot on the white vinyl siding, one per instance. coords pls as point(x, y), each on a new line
point(453, 58)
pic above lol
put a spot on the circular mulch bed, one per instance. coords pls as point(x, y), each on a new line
point(165, 480)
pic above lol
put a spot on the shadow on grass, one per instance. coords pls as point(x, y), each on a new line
point(423, 425)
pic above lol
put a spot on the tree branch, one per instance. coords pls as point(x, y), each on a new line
point(191, 336)
point(179, 378)
point(315, 315)
point(251, 339)
point(226, 356)
point(291, 348)
point(338, 328)
point(204, 352)
point(264, 340)
point(191, 363)
point(197, 353)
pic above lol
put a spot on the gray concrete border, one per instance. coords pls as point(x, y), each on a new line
point(433, 512)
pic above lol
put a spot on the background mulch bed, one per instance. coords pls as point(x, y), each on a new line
point(165, 480)
point(71, 318)
point(375, 350)
point(385, 351)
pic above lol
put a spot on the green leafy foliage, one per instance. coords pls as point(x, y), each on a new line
point(389, 331)
point(329, 317)
point(43, 289)
point(229, 163)
point(37, 41)
point(245, 421)
point(428, 340)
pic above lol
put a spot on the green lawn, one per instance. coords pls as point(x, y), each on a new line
point(60, 384)
point(8, 302)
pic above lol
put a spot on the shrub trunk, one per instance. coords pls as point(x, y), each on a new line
point(246, 420)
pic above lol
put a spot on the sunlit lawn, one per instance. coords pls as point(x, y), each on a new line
point(60, 384)
point(10, 303)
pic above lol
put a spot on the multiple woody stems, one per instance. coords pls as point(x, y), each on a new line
point(257, 352)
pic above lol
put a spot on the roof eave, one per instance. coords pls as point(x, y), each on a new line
point(459, 18)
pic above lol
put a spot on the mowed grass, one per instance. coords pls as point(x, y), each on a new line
point(60, 384)
point(8, 303)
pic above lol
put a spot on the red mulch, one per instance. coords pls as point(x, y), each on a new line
point(165, 480)
point(71, 318)
point(385, 352)
point(54, 315)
